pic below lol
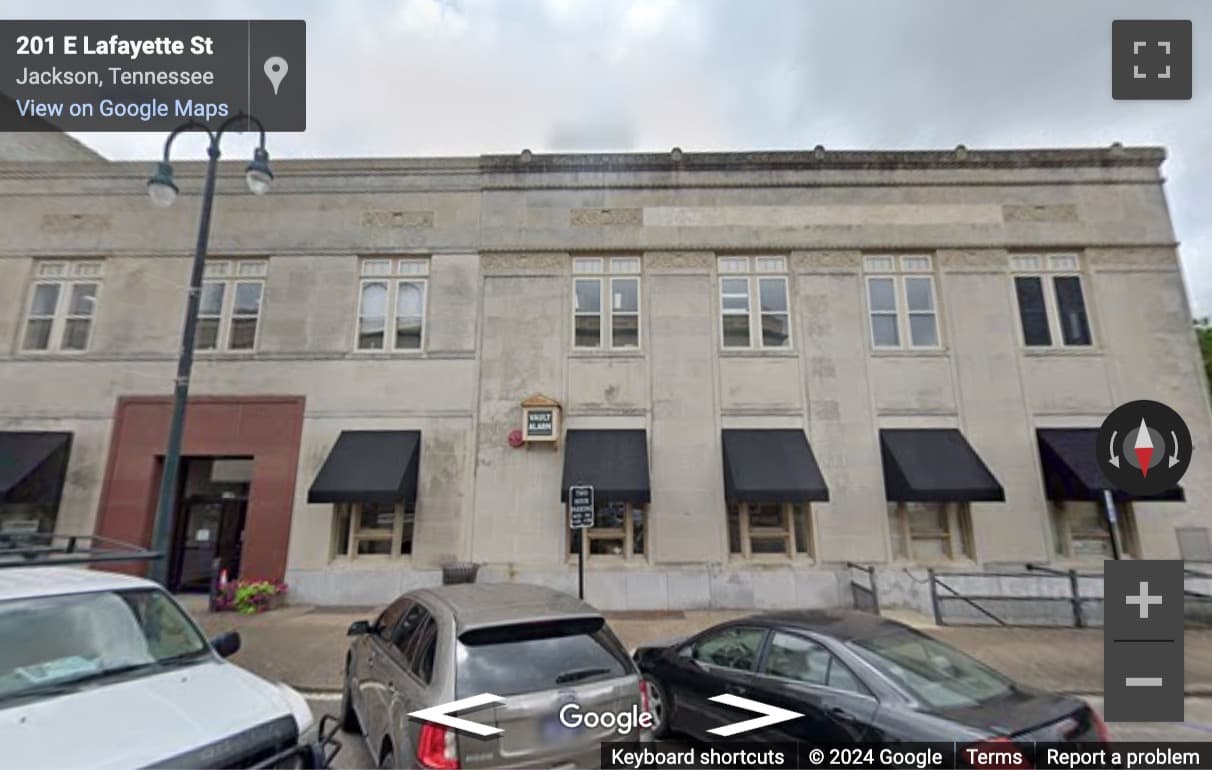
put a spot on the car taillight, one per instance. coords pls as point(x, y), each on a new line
point(995, 754)
point(1100, 727)
point(436, 748)
point(644, 697)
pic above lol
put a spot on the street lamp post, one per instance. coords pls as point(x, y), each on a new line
point(163, 191)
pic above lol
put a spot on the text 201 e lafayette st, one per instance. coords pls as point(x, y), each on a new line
point(144, 75)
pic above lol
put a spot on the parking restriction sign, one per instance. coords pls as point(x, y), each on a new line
point(580, 507)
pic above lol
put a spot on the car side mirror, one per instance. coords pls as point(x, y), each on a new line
point(226, 644)
point(358, 628)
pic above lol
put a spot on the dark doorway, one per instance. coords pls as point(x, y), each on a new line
point(209, 525)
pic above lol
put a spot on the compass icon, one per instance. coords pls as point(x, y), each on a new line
point(1144, 448)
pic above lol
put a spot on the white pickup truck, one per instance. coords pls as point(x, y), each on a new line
point(99, 669)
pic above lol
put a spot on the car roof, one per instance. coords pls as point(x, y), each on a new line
point(477, 605)
point(845, 625)
point(32, 582)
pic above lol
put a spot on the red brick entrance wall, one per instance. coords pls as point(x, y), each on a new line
point(268, 428)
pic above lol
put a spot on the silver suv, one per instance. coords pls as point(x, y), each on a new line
point(538, 649)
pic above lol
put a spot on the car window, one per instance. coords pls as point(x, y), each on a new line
point(803, 660)
point(538, 656)
point(797, 658)
point(730, 648)
point(842, 678)
point(420, 656)
point(407, 628)
point(387, 620)
point(938, 674)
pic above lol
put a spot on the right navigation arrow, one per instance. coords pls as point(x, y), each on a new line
point(772, 715)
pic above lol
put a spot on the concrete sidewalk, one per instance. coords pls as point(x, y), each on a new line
point(305, 646)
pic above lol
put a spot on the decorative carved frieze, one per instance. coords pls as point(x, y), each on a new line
point(807, 261)
point(75, 223)
point(525, 262)
point(600, 217)
point(1149, 258)
point(1055, 212)
point(695, 261)
point(988, 259)
point(393, 220)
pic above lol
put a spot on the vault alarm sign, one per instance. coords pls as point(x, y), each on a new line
point(540, 420)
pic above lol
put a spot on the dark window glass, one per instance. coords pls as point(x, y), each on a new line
point(731, 648)
point(422, 645)
point(533, 657)
point(427, 647)
point(1075, 327)
point(387, 621)
point(407, 628)
point(940, 675)
point(1031, 310)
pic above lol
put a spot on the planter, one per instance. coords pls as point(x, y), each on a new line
point(459, 572)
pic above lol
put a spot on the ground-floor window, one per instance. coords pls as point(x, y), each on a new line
point(24, 518)
point(373, 529)
point(1080, 530)
point(930, 532)
point(775, 529)
point(619, 529)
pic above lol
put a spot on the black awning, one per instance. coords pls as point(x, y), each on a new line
point(935, 465)
point(613, 462)
point(1069, 457)
point(370, 466)
point(771, 466)
point(32, 466)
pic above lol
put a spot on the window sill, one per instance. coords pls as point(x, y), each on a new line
point(772, 560)
point(626, 353)
point(759, 353)
point(1082, 351)
point(638, 561)
point(956, 563)
point(371, 561)
point(37, 354)
point(910, 353)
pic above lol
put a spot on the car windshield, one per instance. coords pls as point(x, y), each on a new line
point(530, 657)
point(55, 643)
point(939, 675)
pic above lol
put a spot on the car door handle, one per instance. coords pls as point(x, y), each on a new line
point(735, 689)
point(841, 713)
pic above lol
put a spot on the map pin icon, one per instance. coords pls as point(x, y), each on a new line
point(275, 70)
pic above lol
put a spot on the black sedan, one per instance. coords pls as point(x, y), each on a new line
point(854, 677)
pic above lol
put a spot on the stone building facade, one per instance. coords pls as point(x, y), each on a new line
point(768, 339)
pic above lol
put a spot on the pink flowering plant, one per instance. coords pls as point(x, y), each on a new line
point(249, 597)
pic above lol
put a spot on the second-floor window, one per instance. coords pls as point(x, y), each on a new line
point(229, 310)
point(754, 307)
point(62, 305)
point(606, 302)
point(1051, 305)
point(391, 304)
point(900, 301)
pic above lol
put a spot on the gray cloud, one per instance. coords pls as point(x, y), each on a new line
point(442, 77)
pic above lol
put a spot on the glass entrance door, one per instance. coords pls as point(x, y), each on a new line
point(212, 528)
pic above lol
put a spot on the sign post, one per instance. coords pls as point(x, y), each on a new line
point(580, 516)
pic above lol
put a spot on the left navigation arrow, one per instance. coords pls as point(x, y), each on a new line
point(441, 714)
point(772, 715)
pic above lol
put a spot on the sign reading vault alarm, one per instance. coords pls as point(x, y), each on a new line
point(540, 420)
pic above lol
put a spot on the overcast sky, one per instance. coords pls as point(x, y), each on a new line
point(463, 77)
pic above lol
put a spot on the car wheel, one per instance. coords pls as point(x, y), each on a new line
point(349, 717)
point(658, 704)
